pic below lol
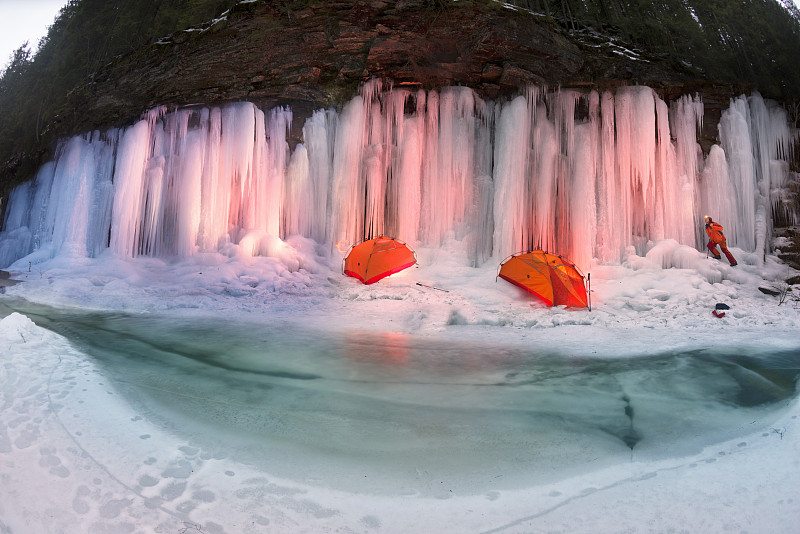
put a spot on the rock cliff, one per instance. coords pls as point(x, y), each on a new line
point(318, 55)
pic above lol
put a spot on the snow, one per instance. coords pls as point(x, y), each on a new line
point(79, 452)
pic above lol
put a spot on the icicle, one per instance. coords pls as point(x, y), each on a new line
point(129, 189)
point(213, 209)
point(482, 209)
point(278, 124)
point(408, 172)
point(582, 214)
point(448, 178)
point(734, 132)
point(19, 207)
point(429, 231)
point(718, 196)
point(772, 139)
point(611, 221)
point(427, 167)
point(346, 181)
point(318, 134)
point(544, 172)
point(17, 237)
point(69, 219)
point(511, 207)
point(686, 119)
point(298, 193)
point(187, 182)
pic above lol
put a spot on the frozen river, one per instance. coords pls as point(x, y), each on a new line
point(392, 414)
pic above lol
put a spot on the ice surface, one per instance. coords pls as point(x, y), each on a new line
point(237, 394)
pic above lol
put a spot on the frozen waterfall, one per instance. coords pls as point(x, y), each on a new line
point(579, 173)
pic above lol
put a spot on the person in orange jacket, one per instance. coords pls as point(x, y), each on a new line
point(716, 237)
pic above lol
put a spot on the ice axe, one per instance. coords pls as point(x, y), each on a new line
point(431, 287)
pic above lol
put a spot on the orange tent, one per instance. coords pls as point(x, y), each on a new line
point(378, 258)
point(550, 277)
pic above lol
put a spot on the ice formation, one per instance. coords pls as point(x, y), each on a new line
point(583, 174)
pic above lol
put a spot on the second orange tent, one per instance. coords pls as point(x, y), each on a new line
point(550, 277)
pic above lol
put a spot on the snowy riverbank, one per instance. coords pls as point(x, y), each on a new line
point(79, 452)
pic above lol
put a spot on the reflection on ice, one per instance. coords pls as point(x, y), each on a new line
point(396, 414)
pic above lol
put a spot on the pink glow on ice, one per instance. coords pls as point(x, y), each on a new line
point(583, 174)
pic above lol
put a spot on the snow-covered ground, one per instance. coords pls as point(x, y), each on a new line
point(87, 446)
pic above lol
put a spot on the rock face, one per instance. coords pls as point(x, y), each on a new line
point(317, 57)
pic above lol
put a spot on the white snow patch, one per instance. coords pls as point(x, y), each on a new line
point(77, 456)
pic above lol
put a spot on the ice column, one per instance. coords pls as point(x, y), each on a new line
point(512, 208)
point(17, 238)
point(686, 121)
point(407, 177)
point(448, 171)
point(772, 139)
point(734, 132)
point(76, 216)
point(582, 174)
point(129, 180)
point(306, 198)
point(347, 181)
